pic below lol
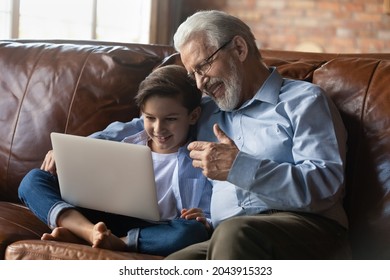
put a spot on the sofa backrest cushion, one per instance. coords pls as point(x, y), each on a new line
point(358, 85)
point(69, 88)
point(360, 89)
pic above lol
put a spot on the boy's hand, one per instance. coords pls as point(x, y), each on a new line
point(190, 214)
point(49, 164)
point(195, 213)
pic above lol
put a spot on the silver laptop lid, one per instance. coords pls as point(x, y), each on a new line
point(105, 175)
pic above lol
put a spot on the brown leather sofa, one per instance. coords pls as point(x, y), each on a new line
point(80, 87)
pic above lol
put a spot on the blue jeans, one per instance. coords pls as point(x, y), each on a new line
point(39, 191)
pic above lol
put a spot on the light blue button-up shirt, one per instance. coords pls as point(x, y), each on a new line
point(292, 146)
point(292, 152)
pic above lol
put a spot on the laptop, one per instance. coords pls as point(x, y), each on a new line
point(105, 175)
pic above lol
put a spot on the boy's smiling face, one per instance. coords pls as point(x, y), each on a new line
point(167, 123)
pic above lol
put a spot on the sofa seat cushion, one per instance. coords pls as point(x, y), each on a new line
point(53, 250)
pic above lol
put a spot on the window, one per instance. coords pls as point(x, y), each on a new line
point(105, 20)
point(127, 20)
point(5, 18)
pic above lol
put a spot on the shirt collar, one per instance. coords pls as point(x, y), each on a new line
point(269, 91)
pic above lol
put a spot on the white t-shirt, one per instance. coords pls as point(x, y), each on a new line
point(164, 168)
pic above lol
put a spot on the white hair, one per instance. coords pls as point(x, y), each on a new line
point(216, 28)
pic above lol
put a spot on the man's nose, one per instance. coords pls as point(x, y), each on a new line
point(201, 81)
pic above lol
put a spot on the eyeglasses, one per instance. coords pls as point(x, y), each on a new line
point(205, 66)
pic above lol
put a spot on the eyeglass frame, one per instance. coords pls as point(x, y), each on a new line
point(207, 61)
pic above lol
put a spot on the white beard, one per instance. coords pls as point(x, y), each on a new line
point(230, 100)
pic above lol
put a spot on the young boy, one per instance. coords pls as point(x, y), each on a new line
point(170, 106)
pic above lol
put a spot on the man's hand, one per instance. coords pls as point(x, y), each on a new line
point(49, 164)
point(216, 159)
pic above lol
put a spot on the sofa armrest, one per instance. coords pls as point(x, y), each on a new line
point(55, 250)
point(20, 233)
point(18, 223)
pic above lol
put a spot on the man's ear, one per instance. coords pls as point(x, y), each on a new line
point(194, 115)
point(241, 47)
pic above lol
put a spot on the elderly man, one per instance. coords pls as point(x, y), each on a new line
point(273, 148)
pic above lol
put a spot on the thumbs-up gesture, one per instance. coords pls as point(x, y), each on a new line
point(214, 158)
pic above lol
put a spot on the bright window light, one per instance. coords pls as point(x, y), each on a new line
point(105, 20)
point(5, 18)
point(55, 19)
point(123, 20)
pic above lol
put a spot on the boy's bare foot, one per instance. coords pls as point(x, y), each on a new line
point(103, 238)
point(62, 234)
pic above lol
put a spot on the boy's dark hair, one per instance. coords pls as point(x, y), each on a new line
point(169, 81)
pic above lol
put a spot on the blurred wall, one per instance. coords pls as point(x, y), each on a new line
point(347, 26)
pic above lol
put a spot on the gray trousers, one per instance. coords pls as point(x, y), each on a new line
point(275, 235)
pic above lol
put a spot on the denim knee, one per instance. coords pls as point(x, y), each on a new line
point(27, 183)
point(39, 191)
point(164, 239)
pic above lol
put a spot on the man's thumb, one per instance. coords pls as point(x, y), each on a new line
point(221, 136)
